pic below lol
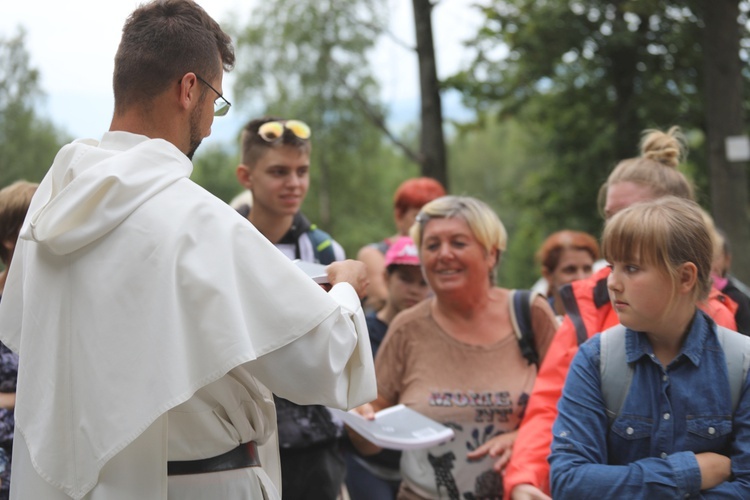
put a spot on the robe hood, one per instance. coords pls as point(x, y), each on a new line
point(90, 190)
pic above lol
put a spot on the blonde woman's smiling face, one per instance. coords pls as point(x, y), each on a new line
point(452, 257)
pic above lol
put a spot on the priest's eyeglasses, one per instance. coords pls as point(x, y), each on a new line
point(274, 131)
point(221, 105)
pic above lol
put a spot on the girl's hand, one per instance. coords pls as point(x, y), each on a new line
point(715, 469)
point(499, 447)
point(528, 492)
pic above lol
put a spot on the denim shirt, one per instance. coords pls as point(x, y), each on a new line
point(668, 416)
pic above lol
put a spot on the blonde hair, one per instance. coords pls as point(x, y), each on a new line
point(656, 167)
point(665, 233)
point(483, 222)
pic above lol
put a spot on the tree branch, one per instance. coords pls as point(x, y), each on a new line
point(377, 118)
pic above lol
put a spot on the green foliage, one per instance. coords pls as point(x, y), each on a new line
point(500, 163)
point(587, 77)
point(307, 60)
point(213, 168)
point(362, 206)
point(28, 144)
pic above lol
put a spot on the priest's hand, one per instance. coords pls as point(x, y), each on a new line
point(349, 271)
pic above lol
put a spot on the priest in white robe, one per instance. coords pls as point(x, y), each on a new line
point(152, 321)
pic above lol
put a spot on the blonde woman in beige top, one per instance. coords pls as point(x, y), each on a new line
point(455, 356)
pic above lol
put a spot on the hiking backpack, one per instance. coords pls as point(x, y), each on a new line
point(322, 245)
point(616, 373)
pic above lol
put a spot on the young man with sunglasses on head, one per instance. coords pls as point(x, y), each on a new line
point(275, 168)
point(152, 323)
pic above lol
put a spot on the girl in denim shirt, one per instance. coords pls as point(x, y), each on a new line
point(675, 435)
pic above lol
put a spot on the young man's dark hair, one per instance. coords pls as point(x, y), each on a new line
point(284, 132)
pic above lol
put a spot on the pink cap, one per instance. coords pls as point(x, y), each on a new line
point(402, 252)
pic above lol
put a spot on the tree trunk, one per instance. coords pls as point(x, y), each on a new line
point(432, 140)
point(624, 72)
point(724, 118)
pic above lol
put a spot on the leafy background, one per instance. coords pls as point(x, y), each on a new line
point(559, 92)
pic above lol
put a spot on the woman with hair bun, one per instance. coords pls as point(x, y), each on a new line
point(650, 176)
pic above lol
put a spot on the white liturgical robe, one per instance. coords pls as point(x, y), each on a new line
point(152, 323)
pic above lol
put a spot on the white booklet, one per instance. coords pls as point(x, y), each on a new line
point(317, 272)
point(398, 428)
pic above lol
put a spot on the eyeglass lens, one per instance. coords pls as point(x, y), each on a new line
point(221, 107)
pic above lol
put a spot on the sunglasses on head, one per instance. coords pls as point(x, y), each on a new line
point(274, 131)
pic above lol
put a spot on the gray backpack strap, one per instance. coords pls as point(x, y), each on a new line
point(736, 349)
point(615, 372)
